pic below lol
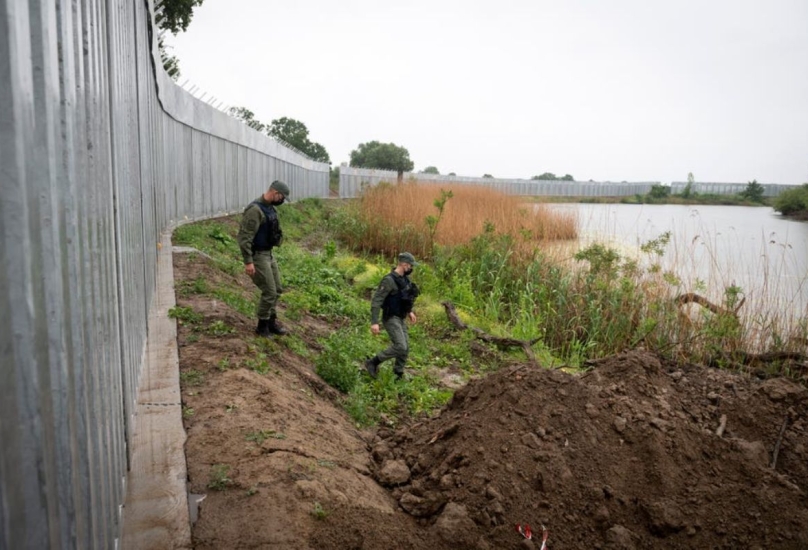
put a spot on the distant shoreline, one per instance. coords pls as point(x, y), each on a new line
point(715, 200)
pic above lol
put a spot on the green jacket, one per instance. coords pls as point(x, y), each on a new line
point(251, 220)
point(388, 286)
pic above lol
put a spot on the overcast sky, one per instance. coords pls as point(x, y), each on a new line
point(635, 90)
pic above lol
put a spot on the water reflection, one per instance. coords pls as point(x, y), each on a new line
point(712, 248)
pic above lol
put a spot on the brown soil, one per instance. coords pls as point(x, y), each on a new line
point(624, 456)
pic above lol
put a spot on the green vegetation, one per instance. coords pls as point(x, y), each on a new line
point(384, 156)
point(793, 202)
point(185, 315)
point(753, 192)
point(319, 513)
point(287, 130)
point(549, 176)
point(219, 328)
point(594, 303)
point(752, 195)
point(192, 377)
point(218, 480)
point(259, 436)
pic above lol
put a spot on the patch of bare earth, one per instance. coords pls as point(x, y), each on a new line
point(637, 453)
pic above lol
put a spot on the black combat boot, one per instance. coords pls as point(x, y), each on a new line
point(372, 366)
point(274, 327)
point(263, 328)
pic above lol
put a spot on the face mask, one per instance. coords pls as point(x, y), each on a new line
point(279, 201)
point(408, 271)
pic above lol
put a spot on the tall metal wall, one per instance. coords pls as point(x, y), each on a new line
point(769, 189)
point(99, 152)
point(352, 180)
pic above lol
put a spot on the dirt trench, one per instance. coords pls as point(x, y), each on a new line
point(636, 453)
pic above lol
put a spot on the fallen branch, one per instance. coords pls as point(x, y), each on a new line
point(694, 298)
point(447, 432)
point(499, 341)
point(779, 441)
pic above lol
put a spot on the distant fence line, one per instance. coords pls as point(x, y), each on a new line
point(353, 180)
point(706, 188)
point(100, 152)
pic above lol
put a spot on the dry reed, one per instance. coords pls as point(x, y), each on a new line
point(395, 216)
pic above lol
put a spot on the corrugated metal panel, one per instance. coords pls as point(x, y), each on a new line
point(353, 180)
point(100, 151)
point(769, 189)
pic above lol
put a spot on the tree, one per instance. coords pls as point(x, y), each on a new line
point(288, 130)
point(430, 170)
point(687, 192)
point(488, 176)
point(567, 177)
point(248, 118)
point(175, 17)
point(296, 134)
point(384, 156)
point(547, 176)
point(792, 201)
point(317, 152)
point(659, 191)
point(753, 192)
point(177, 14)
point(451, 174)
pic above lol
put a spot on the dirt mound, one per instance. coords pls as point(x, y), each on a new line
point(636, 453)
point(268, 449)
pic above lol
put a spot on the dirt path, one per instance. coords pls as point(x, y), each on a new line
point(625, 456)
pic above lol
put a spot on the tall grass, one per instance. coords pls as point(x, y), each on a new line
point(390, 218)
point(500, 262)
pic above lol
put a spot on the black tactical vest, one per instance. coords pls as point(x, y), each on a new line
point(400, 301)
point(269, 233)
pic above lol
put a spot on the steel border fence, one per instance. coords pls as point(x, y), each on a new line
point(99, 152)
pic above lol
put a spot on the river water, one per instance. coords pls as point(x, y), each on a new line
point(712, 248)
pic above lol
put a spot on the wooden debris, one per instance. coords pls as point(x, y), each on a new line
point(498, 341)
point(722, 425)
point(779, 441)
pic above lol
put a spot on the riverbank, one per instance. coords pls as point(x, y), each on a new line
point(294, 447)
point(717, 200)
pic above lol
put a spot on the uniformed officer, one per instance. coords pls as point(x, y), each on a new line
point(258, 234)
point(394, 298)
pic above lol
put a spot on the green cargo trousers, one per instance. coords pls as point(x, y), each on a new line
point(268, 279)
point(399, 348)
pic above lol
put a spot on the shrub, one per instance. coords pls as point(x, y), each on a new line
point(792, 201)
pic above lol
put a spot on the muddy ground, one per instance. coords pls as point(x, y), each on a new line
point(636, 453)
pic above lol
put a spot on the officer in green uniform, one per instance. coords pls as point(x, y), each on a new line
point(394, 298)
point(259, 233)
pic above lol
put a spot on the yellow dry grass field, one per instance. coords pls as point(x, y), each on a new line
point(468, 213)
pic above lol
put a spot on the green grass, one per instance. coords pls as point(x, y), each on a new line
point(185, 315)
point(332, 284)
point(259, 436)
point(598, 303)
point(318, 512)
point(219, 328)
point(192, 377)
point(218, 479)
